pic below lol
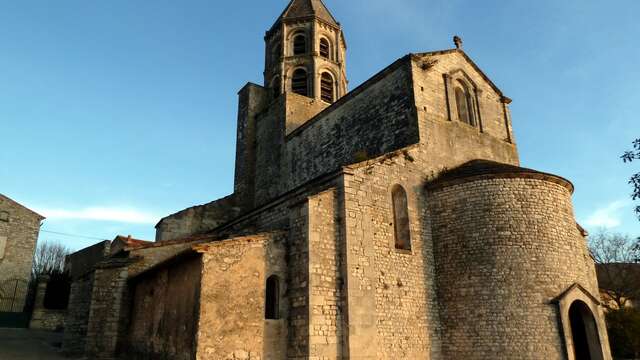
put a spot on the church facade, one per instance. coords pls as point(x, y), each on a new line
point(393, 221)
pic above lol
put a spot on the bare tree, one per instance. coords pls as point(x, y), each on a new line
point(617, 256)
point(49, 258)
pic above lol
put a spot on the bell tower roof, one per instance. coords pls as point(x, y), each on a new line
point(299, 9)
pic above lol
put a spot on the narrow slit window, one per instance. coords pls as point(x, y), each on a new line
point(325, 48)
point(272, 298)
point(299, 45)
point(327, 87)
point(401, 218)
point(300, 83)
point(4, 216)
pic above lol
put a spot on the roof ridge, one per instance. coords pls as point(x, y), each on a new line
point(21, 205)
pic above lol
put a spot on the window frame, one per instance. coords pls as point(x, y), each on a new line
point(322, 88)
point(272, 301)
point(328, 48)
point(306, 82)
point(295, 45)
point(402, 239)
point(467, 101)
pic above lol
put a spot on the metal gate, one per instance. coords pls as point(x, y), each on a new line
point(13, 299)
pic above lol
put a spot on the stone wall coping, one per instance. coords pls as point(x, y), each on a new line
point(117, 262)
point(257, 238)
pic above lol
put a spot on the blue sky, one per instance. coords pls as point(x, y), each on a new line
point(116, 113)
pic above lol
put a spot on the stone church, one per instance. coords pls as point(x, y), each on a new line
point(392, 221)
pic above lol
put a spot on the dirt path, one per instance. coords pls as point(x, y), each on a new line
point(23, 344)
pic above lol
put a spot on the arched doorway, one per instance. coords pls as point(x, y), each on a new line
point(584, 330)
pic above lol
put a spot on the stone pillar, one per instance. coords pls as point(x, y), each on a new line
point(38, 306)
point(77, 319)
point(108, 310)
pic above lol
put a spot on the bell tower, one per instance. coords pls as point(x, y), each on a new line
point(305, 53)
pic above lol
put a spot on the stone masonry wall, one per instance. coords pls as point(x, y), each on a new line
point(109, 310)
point(81, 262)
point(269, 140)
point(251, 101)
point(77, 319)
point(434, 96)
point(292, 213)
point(165, 311)
point(41, 317)
point(378, 118)
point(392, 308)
point(232, 321)
point(327, 328)
point(504, 249)
point(18, 238)
point(198, 219)
point(445, 141)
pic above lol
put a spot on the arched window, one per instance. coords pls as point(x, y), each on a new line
point(325, 48)
point(401, 218)
point(464, 105)
point(272, 298)
point(275, 86)
point(326, 87)
point(299, 44)
point(584, 332)
point(299, 82)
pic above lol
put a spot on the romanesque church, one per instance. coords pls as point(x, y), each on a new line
point(391, 221)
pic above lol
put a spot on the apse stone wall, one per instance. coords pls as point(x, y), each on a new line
point(504, 249)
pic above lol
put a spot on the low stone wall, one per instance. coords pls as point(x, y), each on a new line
point(43, 318)
point(50, 320)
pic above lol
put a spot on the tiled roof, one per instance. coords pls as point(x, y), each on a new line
point(480, 169)
point(306, 8)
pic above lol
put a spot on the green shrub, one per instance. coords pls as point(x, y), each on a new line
point(624, 333)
